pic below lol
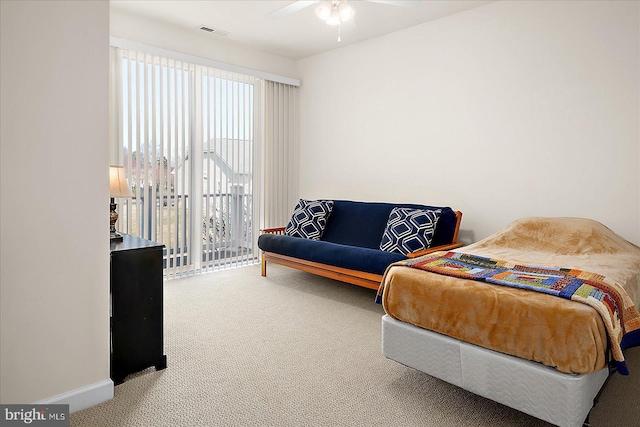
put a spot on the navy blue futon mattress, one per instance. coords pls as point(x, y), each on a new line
point(351, 257)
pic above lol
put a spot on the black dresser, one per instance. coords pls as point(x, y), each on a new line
point(136, 307)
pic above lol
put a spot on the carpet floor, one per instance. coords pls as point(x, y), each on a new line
point(294, 349)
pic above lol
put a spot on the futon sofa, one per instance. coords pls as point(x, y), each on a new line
point(349, 247)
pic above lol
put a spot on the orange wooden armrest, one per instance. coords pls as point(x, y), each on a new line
point(435, 249)
point(276, 230)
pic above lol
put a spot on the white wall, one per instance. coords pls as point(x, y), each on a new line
point(192, 41)
point(54, 266)
point(509, 110)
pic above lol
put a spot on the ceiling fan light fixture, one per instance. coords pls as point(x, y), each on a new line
point(346, 12)
point(324, 10)
point(334, 19)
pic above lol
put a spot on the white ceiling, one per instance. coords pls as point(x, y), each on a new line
point(297, 35)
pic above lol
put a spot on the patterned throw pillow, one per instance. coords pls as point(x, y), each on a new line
point(409, 230)
point(309, 219)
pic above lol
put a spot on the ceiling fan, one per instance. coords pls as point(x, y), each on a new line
point(333, 12)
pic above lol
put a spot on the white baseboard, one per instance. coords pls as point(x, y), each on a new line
point(83, 397)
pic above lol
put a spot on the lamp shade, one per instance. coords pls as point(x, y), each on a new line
point(324, 10)
point(118, 185)
point(346, 12)
point(334, 18)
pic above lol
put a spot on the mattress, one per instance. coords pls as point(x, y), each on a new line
point(563, 334)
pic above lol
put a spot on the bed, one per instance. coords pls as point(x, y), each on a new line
point(533, 351)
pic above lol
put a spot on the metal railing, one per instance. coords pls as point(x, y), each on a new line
point(226, 235)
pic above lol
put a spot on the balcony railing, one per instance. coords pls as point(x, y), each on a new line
point(226, 234)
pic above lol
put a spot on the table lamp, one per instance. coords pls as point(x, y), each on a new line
point(118, 187)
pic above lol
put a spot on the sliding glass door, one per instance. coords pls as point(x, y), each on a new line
point(186, 136)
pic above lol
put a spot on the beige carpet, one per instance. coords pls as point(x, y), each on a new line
point(294, 349)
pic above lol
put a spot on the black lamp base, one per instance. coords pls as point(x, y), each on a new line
point(113, 217)
point(115, 237)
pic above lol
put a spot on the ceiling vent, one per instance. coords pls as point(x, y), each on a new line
point(214, 31)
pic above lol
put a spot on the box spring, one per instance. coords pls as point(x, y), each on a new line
point(530, 387)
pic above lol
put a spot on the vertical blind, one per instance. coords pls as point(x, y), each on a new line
point(281, 154)
point(191, 138)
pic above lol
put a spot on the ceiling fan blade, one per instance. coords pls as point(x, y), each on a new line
point(291, 8)
point(403, 3)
